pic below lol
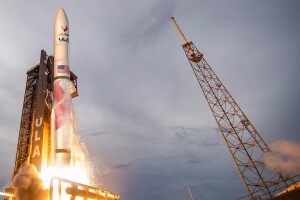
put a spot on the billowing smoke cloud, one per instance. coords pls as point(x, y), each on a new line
point(285, 157)
point(29, 185)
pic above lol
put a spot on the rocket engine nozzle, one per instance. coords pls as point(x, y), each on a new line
point(62, 157)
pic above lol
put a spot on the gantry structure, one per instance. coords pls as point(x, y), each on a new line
point(246, 146)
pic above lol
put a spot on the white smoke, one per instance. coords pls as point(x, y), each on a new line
point(285, 157)
point(29, 185)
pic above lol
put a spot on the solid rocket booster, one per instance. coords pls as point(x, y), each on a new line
point(62, 136)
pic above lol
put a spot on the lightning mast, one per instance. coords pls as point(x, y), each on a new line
point(244, 143)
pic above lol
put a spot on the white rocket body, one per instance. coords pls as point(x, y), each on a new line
point(62, 120)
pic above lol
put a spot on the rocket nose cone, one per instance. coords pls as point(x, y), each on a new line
point(61, 22)
point(61, 16)
point(61, 13)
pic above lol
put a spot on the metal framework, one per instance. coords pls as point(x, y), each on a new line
point(244, 143)
point(27, 113)
point(246, 146)
point(26, 125)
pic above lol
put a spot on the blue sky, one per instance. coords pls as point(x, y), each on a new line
point(141, 113)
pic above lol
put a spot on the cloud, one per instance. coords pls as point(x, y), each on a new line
point(29, 185)
point(94, 133)
point(122, 166)
point(285, 156)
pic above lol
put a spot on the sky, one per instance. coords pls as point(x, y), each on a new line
point(141, 114)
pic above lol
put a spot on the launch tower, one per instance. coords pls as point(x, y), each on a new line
point(244, 143)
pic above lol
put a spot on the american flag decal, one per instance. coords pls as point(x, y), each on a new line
point(63, 69)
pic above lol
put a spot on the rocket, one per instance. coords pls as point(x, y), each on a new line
point(62, 120)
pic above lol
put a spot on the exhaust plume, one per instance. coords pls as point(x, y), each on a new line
point(29, 185)
point(285, 156)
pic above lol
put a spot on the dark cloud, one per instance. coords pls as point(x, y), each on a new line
point(122, 166)
point(94, 133)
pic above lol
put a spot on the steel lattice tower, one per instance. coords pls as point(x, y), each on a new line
point(244, 143)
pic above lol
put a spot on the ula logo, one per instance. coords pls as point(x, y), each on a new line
point(63, 36)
